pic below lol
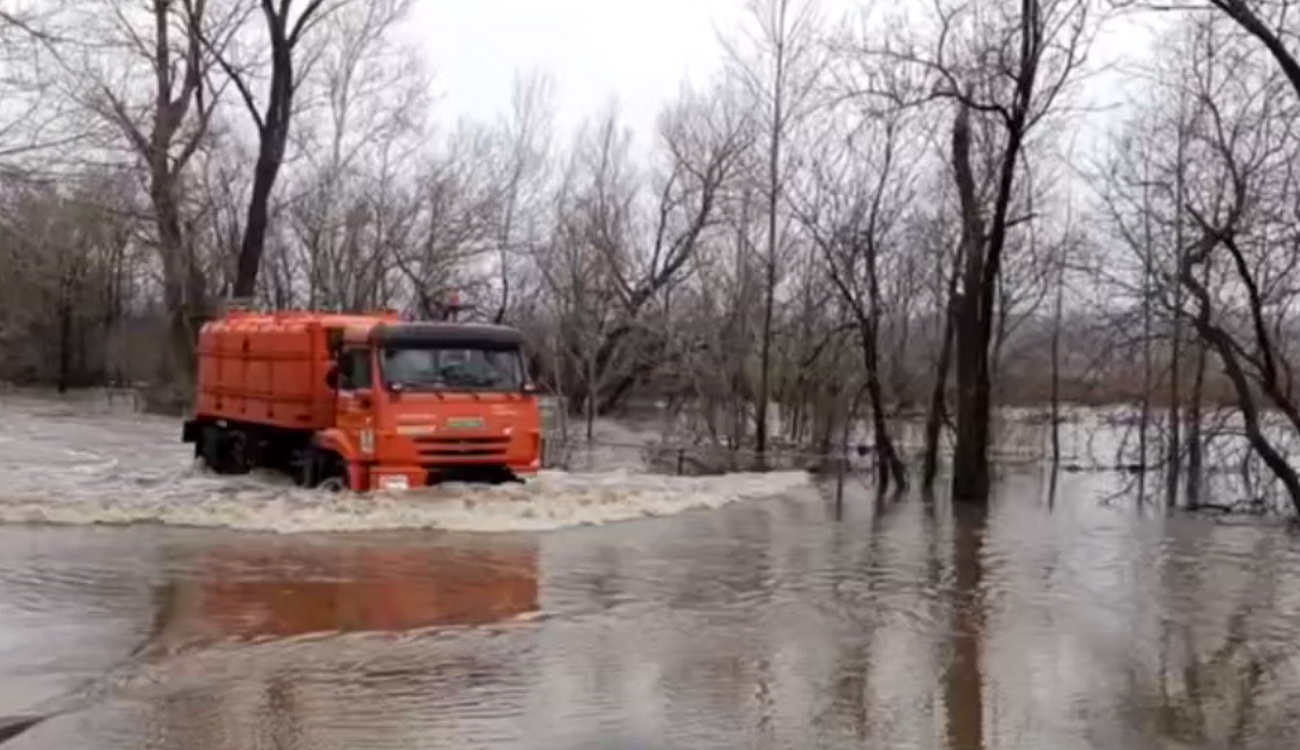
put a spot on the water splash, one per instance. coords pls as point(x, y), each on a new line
point(66, 464)
point(552, 500)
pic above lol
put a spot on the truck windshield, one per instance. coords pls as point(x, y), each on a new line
point(453, 367)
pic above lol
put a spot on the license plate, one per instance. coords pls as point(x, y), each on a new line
point(465, 423)
point(394, 482)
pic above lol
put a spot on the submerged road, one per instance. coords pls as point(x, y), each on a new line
point(745, 616)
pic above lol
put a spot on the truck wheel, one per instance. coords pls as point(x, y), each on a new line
point(333, 473)
point(208, 447)
point(235, 453)
point(317, 469)
point(307, 468)
point(335, 483)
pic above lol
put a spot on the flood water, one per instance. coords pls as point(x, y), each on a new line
point(761, 622)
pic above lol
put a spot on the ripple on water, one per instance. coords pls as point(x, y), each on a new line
point(770, 625)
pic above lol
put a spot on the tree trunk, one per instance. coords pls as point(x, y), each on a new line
point(1055, 398)
point(983, 271)
point(65, 334)
point(269, 156)
point(937, 412)
point(273, 132)
point(765, 354)
point(181, 368)
point(964, 678)
point(1174, 457)
point(1144, 418)
point(888, 465)
point(1195, 444)
point(970, 455)
point(589, 400)
point(773, 202)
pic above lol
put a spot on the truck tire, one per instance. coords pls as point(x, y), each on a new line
point(322, 470)
point(236, 452)
point(336, 483)
point(226, 451)
point(306, 468)
point(208, 447)
point(335, 476)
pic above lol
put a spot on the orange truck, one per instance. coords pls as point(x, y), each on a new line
point(362, 402)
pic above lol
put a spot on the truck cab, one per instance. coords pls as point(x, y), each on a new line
point(418, 403)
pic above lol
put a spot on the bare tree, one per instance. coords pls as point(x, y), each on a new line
point(1216, 155)
point(43, 128)
point(525, 146)
point(340, 208)
point(66, 288)
point(943, 251)
point(165, 130)
point(1253, 17)
point(594, 229)
point(455, 204)
point(1014, 74)
point(286, 28)
point(608, 278)
point(719, 307)
point(1254, 361)
point(855, 216)
point(780, 73)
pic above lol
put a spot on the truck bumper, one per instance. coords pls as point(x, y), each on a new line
point(403, 477)
point(396, 478)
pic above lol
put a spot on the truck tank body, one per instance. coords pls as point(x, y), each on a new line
point(270, 369)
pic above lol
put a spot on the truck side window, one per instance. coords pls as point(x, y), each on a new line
point(354, 369)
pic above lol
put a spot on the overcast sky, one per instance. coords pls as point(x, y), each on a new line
point(637, 51)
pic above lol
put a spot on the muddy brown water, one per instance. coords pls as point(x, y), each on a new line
point(765, 623)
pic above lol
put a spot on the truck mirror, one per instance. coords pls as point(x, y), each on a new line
point(334, 339)
point(332, 377)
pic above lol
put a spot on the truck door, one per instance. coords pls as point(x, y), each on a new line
point(354, 412)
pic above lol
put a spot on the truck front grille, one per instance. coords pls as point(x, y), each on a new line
point(462, 447)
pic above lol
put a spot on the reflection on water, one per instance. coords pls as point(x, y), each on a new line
point(964, 676)
point(277, 591)
point(766, 624)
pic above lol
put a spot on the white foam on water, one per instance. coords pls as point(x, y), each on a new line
point(66, 461)
point(550, 501)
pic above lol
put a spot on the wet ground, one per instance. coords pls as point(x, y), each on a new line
point(736, 618)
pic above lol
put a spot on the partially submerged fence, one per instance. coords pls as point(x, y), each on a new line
point(575, 454)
